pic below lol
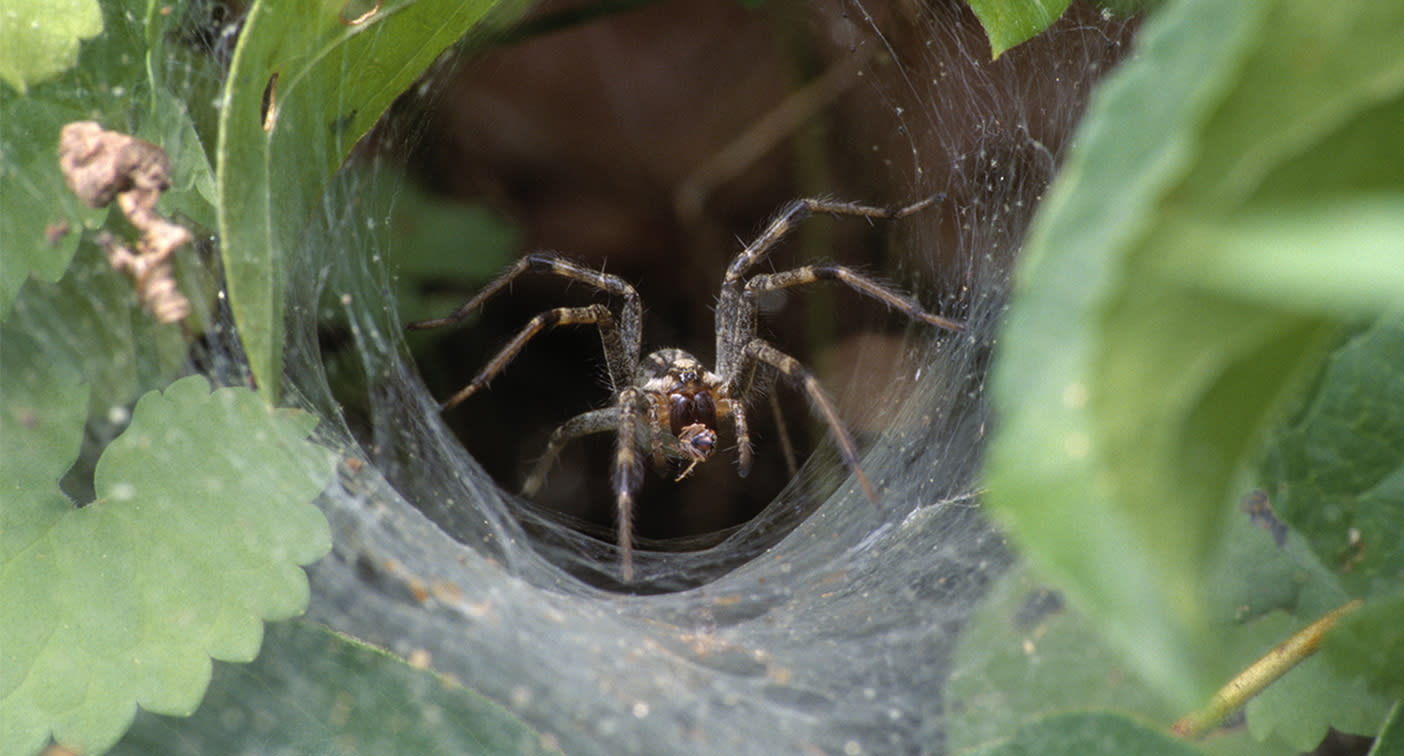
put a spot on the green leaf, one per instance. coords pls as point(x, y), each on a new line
point(304, 86)
point(1256, 575)
point(1026, 655)
point(40, 219)
point(40, 40)
point(1369, 643)
point(1337, 471)
point(1311, 698)
point(435, 241)
point(1088, 735)
point(1339, 257)
point(44, 406)
point(201, 521)
point(364, 701)
point(1264, 592)
point(90, 321)
point(1143, 356)
point(1390, 740)
point(1010, 23)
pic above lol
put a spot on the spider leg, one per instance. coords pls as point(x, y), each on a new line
point(584, 424)
point(595, 313)
point(628, 475)
point(737, 412)
point(858, 282)
point(787, 448)
point(736, 308)
point(791, 215)
point(762, 351)
point(621, 342)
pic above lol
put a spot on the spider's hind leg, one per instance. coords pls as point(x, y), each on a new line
point(762, 351)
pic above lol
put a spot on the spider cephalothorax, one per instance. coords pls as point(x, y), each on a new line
point(686, 398)
point(669, 402)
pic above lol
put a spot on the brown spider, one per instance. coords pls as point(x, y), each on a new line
point(669, 402)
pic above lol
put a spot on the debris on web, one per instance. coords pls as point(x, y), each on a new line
point(101, 166)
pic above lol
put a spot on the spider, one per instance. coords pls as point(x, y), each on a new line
point(668, 403)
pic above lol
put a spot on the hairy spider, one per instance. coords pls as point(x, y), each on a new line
point(668, 402)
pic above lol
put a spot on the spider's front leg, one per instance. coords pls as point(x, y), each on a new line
point(595, 313)
point(620, 337)
point(628, 474)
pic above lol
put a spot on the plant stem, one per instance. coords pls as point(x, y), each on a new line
point(1262, 673)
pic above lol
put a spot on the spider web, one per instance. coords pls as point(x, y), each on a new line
point(823, 625)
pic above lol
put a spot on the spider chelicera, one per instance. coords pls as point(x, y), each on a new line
point(669, 403)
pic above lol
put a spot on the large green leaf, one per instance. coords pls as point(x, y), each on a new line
point(1338, 471)
point(1312, 698)
point(118, 83)
point(1087, 735)
point(39, 216)
point(202, 517)
point(1369, 643)
point(1144, 356)
point(1026, 655)
point(40, 40)
point(304, 86)
point(364, 701)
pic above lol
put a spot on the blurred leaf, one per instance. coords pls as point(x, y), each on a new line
point(90, 321)
point(124, 601)
point(1338, 469)
point(39, 217)
point(40, 40)
point(1140, 364)
point(442, 250)
point(313, 691)
point(1027, 655)
point(1009, 23)
point(1088, 735)
point(44, 405)
point(1370, 643)
point(1390, 740)
point(304, 86)
point(1255, 575)
point(1339, 257)
point(1311, 698)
